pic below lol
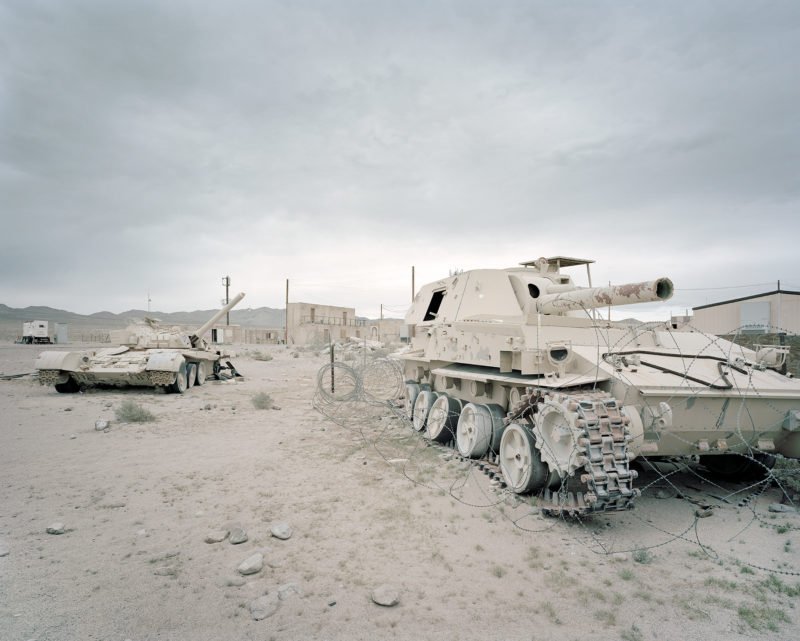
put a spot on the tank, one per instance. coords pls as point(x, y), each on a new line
point(522, 369)
point(148, 355)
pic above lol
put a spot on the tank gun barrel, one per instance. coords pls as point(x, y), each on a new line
point(210, 322)
point(644, 292)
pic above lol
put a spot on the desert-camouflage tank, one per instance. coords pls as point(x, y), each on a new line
point(516, 367)
point(147, 356)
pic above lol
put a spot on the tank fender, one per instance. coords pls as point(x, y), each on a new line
point(67, 361)
point(164, 362)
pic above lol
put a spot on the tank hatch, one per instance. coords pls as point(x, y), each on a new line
point(559, 261)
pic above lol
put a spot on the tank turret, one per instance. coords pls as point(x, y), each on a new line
point(512, 367)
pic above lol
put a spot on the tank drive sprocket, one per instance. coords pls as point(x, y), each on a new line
point(583, 432)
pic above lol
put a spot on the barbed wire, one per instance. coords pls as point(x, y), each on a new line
point(368, 395)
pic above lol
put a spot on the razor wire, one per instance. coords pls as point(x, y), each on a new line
point(364, 395)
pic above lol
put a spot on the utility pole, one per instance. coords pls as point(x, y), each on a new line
point(412, 283)
point(286, 320)
point(149, 300)
point(226, 280)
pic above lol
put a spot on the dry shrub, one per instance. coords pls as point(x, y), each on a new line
point(131, 412)
point(262, 401)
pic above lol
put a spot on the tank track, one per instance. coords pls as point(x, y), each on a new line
point(602, 451)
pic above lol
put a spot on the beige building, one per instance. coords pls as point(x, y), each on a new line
point(312, 323)
point(770, 312)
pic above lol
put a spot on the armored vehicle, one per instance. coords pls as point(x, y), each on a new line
point(519, 367)
point(147, 356)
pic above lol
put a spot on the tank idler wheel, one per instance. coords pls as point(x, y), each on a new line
point(180, 384)
point(521, 463)
point(422, 406)
point(742, 467)
point(443, 418)
point(191, 375)
point(412, 391)
point(69, 387)
point(202, 372)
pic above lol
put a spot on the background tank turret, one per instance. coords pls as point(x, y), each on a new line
point(518, 366)
point(147, 355)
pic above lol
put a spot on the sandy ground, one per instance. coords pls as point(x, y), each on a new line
point(467, 561)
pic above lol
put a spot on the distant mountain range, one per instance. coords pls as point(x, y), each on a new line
point(265, 317)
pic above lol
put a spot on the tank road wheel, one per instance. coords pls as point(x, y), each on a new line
point(412, 391)
point(201, 373)
point(180, 384)
point(520, 462)
point(191, 375)
point(477, 427)
point(69, 387)
point(443, 418)
point(422, 406)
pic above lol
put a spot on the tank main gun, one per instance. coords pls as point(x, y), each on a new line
point(197, 335)
point(593, 297)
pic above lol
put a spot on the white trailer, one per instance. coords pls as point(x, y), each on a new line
point(35, 331)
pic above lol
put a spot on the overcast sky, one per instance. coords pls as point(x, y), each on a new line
point(158, 146)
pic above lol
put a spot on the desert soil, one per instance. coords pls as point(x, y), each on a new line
point(369, 505)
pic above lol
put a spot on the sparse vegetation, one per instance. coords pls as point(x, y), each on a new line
point(760, 618)
point(132, 412)
point(643, 555)
point(634, 634)
point(262, 401)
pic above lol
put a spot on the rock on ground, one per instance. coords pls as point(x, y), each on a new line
point(780, 507)
point(385, 595)
point(55, 528)
point(101, 425)
point(251, 564)
point(282, 530)
point(264, 607)
point(288, 589)
point(238, 535)
point(216, 536)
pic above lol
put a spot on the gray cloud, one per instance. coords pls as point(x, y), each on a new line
point(157, 146)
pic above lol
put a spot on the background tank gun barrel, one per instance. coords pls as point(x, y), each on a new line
point(644, 292)
point(210, 322)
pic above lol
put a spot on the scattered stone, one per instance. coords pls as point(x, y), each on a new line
point(397, 460)
point(288, 589)
point(237, 535)
point(172, 554)
point(55, 528)
point(165, 570)
point(101, 425)
point(385, 595)
point(619, 556)
point(331, 603)
point(534, 510)
point(216, 536)
point(702, 513)
point(665, 493)
point(207, 407)
point(275, 407)
point(274, 563)
point(236, 581)
point(67, 409)
point(252, 564)
point(264, 607)
point(142, 532)
point(73, 436)
point(781, 507)
point(4, 551)
point(281, 531)
point(199, 513)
